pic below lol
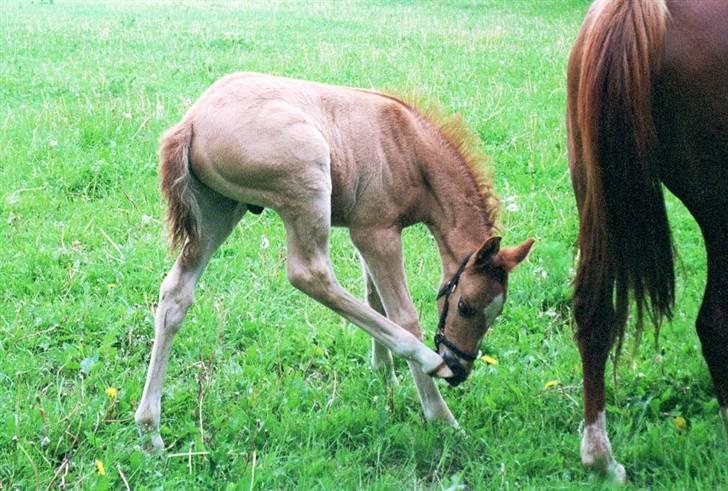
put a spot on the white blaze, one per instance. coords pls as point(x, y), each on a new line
point(493, 309)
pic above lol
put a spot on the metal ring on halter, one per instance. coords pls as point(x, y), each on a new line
point(446, 291)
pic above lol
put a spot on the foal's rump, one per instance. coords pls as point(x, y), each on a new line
point(246, 143)
point(259, 157)
point(253, 142)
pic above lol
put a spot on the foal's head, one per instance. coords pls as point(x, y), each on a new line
point(470, 302)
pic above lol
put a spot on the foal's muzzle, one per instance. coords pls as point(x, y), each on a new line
point(460, 373)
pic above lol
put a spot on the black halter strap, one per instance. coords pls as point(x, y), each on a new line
point(446, 291)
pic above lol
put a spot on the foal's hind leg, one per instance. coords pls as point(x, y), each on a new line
point(382, 253)
point(218, 216)
point(712, 322)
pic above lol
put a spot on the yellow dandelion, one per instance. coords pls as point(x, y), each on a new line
point(100, 468)
point(489, 360)
point(551, 384)
point(111, 286)
point(680, 423)
point(112, 392)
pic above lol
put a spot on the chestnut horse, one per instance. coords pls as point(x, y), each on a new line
point(323, 156)
point(647, 104)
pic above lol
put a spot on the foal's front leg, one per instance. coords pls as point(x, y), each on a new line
point(309, 269)
point(382, 254)
point(381, 356)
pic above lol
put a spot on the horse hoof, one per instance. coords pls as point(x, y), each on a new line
point(616, 474)
point(152, 443)
point(151, 440)
point(442, 371)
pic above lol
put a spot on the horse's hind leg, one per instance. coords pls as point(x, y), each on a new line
point(218, 216)
point(595, 340)
point(712, 322)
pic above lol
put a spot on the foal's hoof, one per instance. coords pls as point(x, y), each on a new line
point(442, 371)
point(153, 443)
point(151, 440)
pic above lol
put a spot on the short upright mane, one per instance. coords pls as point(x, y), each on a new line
point(463, 142)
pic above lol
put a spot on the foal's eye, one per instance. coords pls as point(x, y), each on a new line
point(464, 309)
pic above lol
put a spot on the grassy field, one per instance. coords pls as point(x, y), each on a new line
point(267, 389)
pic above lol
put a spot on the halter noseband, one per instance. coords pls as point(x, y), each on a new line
point(446, 291)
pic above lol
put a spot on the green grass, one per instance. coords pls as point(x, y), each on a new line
point(275, 390)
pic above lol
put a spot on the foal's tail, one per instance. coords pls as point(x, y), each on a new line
point(176, 182)
point(624, 237)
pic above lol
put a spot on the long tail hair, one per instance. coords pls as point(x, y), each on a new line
point(624, 236)
point(176, 184)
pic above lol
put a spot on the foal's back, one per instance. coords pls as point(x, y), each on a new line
point(265, 140)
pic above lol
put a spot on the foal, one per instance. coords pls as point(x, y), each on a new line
point(325, 156)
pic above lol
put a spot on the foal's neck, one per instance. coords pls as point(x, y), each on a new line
point(460, 215)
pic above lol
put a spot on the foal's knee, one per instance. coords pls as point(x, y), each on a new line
point(314, 279)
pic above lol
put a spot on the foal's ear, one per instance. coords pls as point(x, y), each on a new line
point(510, 257)
point(487, 252)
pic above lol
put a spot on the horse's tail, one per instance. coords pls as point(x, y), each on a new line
point(624, 236)
point(176, 185)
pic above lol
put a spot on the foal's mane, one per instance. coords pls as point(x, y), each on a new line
point(455, 135)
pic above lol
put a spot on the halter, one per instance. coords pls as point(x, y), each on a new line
point(446, 291)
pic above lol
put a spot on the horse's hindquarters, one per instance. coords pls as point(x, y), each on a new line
point(246, 157)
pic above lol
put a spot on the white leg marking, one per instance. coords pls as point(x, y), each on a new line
point(596, 451)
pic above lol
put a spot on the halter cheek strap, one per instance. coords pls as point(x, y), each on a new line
point(446, 291)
